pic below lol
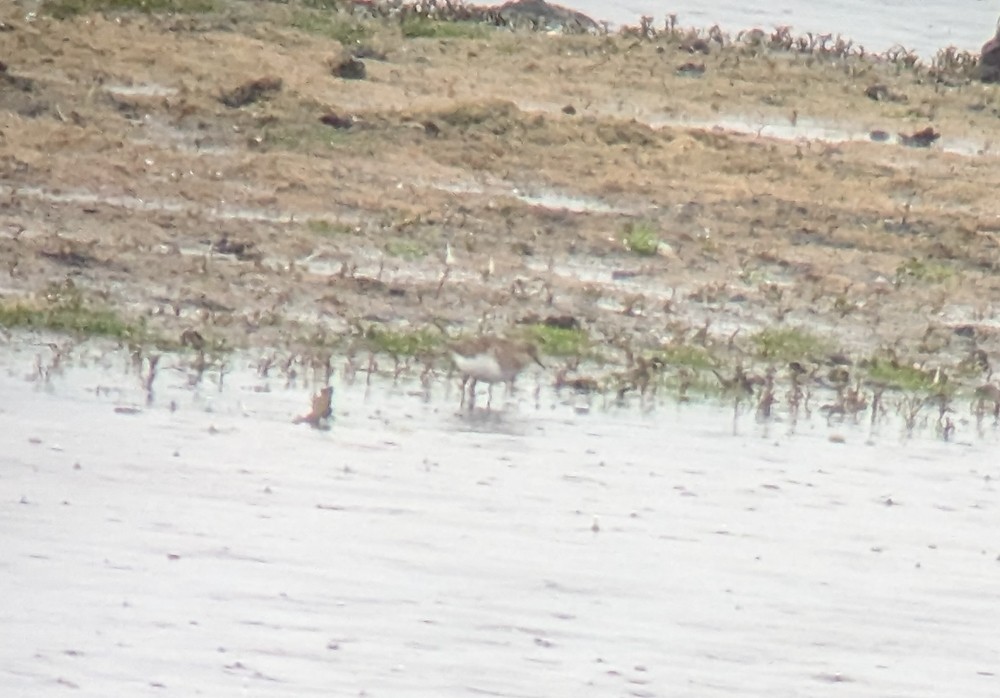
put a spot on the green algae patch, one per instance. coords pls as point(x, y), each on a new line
point(416, 342)
point(787, 344)
point(63, 308)
point(559, 341)
point(641, 239)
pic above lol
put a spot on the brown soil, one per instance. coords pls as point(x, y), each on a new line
point(316, 206)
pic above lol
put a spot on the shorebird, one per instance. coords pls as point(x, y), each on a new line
point(491, 360)
point(321, 410)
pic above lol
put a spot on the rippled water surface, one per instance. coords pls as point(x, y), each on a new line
point(203, 544)
point(877, 24)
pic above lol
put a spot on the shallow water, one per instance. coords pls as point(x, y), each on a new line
point(815, 130)
point(923, 27)
point(533, 196)
point(141, 90)
point(223, 211)
point(205, 545)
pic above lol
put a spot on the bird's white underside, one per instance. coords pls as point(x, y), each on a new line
point(482, 367)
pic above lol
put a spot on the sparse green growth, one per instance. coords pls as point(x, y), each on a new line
point(558, 341)
point(405, 342)
point(323, 4)
point(641, 239)
point(300, 136)
point(787, 344)
point(328, 228)
point(422, 28)
point(899, 376)
point(410, 250)
point(686, 355)
point(63, 309)
point(926, 270)
point(337, 26)
point(496, 115)
point(62, 9)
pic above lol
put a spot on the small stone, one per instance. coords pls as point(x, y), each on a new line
point(350, 69)
point(341, 123)
point(691, 70)
point(250, 92)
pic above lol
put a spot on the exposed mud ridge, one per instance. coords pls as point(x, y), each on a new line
point(457, 179)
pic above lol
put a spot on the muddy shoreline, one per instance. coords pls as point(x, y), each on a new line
point(729, 217)
point(760, 457)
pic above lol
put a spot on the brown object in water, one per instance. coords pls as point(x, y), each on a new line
point(321, 409)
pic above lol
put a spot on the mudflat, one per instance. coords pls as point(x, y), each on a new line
point(265, 213)
point(320, 178)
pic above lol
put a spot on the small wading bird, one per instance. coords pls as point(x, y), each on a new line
point(322, 410)
point(491, 360)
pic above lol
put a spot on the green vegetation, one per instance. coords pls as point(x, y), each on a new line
point(787, 344)
point(63, 309)
point(686, 355)
point(337, 26)
point(899, 376)
point(324, 4)
point(926, 270)
point(301, 136)
point(410, 250)
point(641, 239)
point(404, 342)
point(62, 9)
point(558, 341)
point(328, 228)
point(423, 28)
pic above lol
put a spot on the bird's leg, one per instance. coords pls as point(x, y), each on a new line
point(472, 395)
point(465, 382)
point(489, 397)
